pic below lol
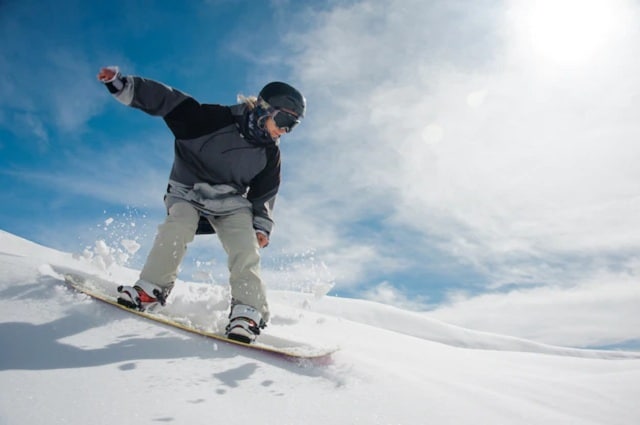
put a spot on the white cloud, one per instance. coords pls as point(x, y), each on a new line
point(133, 174)
point(74, 95)
point(601, 310)
point(387, 293)
point(500, 163)
point(434, 118)
point(50, 78)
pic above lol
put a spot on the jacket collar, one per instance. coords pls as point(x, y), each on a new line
point(247, 123)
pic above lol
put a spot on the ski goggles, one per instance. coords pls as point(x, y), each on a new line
point(284, 119)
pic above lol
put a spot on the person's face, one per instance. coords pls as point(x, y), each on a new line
point(274, 131)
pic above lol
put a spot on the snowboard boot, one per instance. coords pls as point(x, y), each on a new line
point(245, 323)
point(142, 296)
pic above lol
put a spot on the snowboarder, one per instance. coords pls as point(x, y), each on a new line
point(224, 180)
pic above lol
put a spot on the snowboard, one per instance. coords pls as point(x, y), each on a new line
point(300, 353)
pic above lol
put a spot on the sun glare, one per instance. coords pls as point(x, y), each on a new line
point(567, 32)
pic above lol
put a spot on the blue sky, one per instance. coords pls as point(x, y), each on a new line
point(476, 160)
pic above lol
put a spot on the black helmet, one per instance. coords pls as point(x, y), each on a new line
point(282, 96)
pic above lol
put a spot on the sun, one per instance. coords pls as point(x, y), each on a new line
point(566, 32)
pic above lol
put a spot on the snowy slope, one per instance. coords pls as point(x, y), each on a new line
point(65, 359)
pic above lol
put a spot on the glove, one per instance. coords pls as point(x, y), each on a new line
point(112, 78)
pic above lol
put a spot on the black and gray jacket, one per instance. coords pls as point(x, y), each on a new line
point(216, 168)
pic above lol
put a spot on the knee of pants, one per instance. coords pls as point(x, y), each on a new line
point(244, 262)
point(238, 238)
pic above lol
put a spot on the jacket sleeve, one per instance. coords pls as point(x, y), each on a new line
point(184, 116)
point(150, 96)
point(263, 190)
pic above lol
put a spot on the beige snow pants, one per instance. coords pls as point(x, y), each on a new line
point(238, 239)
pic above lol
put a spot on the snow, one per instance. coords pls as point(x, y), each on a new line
point(67, 359)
